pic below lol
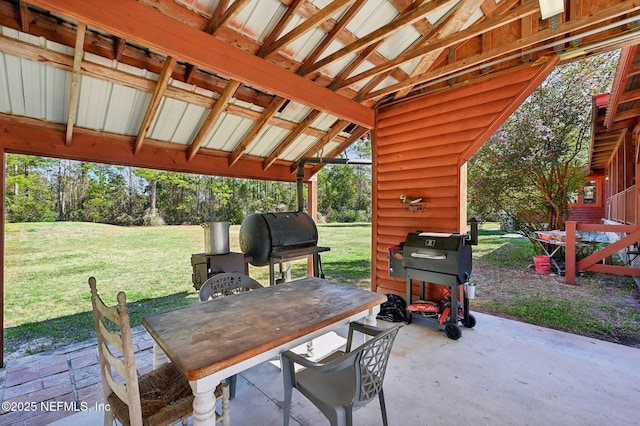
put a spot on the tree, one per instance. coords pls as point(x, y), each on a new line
point(28, 197)
point(532, 166)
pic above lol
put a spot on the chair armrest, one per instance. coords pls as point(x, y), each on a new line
point(335, 361)
point(369, 330)
point(299, 359)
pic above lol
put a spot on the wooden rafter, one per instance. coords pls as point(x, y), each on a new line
point(484, 57)
point(213, 116)
point(332, 35)
point(336, 128)
point(624, 65)
point(311, 23)
point(224, 18)
point(355, 135)
point(280, 26)
point(24, 16)
point(65, 62)
point(75, 81)
point(143, 25)
point(460, 17)
point(473, 31)
point(158, 93)
point(119, 48)
point(291, 137)
point(405, 19)
point(255, 130)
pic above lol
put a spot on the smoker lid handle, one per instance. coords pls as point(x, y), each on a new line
point(429, 256)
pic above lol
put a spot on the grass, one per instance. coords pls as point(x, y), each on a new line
point(47, 301)
point(602, 306)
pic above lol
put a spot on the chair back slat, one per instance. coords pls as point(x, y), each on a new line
point(113, 339)
point(226, 284)
point(124, 363)
point(120, 389)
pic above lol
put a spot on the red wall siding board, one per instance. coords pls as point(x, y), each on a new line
point(507, 81)
point(446, 168)
point(418, 146)
point(392, 147)
point(410, 187)
point(436, 118)
point(409, 138)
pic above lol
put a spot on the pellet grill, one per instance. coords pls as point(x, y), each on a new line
point(442, 259)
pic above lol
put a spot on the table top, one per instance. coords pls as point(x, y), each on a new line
point(206, 337)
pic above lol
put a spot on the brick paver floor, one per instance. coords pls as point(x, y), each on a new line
point(42, 388)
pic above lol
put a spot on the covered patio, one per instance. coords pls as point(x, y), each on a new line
point(264, 88)
point(502, 372)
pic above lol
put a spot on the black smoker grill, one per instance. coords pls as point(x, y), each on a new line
point(270, 238)
point(436, 258)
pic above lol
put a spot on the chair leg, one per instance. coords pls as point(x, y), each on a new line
point(226, 412)
point(288, 388)
point(108, 418)
point(383, 407)
point(232, 386)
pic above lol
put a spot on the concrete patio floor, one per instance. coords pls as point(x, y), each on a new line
point(501, 372)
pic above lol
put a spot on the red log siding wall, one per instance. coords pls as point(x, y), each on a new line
point(420, 149)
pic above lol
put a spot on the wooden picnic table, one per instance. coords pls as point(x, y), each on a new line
point(212, 340)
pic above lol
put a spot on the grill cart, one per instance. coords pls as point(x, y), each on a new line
point(438, 259)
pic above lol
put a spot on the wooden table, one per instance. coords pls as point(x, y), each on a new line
point(212, 340)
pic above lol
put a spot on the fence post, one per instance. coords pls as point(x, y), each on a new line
point(570, 252)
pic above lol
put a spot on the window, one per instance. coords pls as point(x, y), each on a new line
point(589, 192)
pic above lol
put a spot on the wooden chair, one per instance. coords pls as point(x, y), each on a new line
point(222, 285)
point(161, 397)
point(342, 381)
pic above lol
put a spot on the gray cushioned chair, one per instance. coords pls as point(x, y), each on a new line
point(343, 380)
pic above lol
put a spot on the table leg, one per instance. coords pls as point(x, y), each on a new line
point(204, 404)
point(370, 319)
point(159, 357)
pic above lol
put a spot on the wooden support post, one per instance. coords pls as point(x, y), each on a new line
point(570, 253)
point(2, 235)
point(312, 210)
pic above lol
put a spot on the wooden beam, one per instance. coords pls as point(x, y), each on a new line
point(332, 35)
point(280, 26)
point(255, 130)
point(567, 27)
point(217, 110)
point(355, 135)
point(336, 128)
point(158, 93)
point(24, 16)
point(34, 137)
point(459, 17)
point(291, 137)
point(143, 25)
point(75, 80)
point(473, 31)
point(226, 17)
point(311, 23)
point(381, 33)
point(65, 62)
point(619, 80)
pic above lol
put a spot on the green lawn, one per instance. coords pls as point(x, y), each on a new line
point(47, 299)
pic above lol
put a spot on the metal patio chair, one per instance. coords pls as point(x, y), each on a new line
point(222, 285)
point(161, 397)
point(343, 380)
